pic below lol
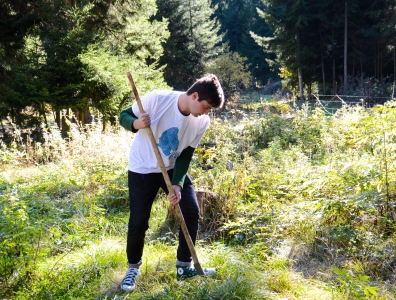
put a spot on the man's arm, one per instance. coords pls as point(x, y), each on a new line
point(130, 122)
point(181, 166)
point(127, 117)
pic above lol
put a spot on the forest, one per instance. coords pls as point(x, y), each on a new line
point(296, 172)
point(72, 55)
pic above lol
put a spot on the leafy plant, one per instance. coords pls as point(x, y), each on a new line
point(230, 68)
point(318, 192)
point(355, 286)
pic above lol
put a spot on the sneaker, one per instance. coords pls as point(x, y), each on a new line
point(184, 272)
point(129, 282)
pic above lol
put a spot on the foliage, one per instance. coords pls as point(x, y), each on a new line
point(232, 72)
point(47, 213)
point(343, 170)
point(76, 56)
point(136, 42)
point(194, 40)
point(303, 208)
point(237, 19)
point(356, 285)
point(308, 39)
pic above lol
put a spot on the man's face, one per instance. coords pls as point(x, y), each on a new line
point(199, 108)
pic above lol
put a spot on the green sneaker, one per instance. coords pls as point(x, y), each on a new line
point(129, 282)
point(185, 272)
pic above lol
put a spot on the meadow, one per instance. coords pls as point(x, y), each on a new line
point(300, 205)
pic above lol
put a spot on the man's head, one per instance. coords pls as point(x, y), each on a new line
point(209, 89)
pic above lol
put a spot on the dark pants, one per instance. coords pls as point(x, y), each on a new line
point(143, 189)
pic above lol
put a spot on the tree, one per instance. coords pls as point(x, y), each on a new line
point(346, 49)
point(134, 45)
point(194, 40)
point(62, 70)
point(20, 85)
point(331, 41)
point(231, 71)
point(238, 18)
point(288, 20)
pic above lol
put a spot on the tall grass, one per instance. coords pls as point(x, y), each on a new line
point(301, 207)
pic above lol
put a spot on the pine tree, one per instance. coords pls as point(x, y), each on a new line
point(329, 44)
point(238, 18)
point(135, 44)
point(288, 19)
point(193, 41)
point(83, 50)
point(20, 85)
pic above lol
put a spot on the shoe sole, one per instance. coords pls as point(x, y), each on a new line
point(128, 290)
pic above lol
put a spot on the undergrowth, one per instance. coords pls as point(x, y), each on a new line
point(301, 205)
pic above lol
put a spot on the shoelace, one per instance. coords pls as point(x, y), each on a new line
point(131, 275)
point(191, 269)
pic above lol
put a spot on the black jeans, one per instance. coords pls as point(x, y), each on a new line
point(143, 189)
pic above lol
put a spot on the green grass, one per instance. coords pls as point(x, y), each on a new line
point(301, 208)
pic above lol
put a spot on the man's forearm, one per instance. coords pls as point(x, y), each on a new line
point(127, 117)
point(181, 166)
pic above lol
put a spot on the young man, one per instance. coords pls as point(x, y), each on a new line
point(178, 121)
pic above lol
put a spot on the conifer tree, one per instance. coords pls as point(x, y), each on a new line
point(327, 43)
point(20, 85)
point(70, 36)
point(194, 40)
point(238, 18)
point(288, 20)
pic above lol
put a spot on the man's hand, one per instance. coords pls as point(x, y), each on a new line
point(175, 197)
point(142, 122)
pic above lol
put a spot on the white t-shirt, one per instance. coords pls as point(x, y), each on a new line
point(173, 132)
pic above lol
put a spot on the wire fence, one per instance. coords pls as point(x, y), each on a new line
point(331, 103)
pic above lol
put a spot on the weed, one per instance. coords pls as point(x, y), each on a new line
point(278, 180)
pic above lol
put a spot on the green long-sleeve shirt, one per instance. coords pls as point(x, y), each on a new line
point(127, 117)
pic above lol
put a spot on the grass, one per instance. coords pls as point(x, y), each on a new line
point(294, 199)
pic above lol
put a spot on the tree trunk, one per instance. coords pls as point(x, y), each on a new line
point(353, 62)
point(375, 66)
point(65, 125)
point(300, 79)
point(87, 116)
point(379, 62)
point(45, 119)
point(323, 74)
point(70, 2)
point(394, 64)
point(346, 50)
point(300, 84)
point(333, 64)
point(81, 117)
point(361, 65)
point(58, 118)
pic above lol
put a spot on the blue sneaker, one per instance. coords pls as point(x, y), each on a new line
point(129, 282)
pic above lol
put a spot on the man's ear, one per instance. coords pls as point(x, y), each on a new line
point(195, 96)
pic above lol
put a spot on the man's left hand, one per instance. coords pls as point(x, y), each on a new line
point(175, 197)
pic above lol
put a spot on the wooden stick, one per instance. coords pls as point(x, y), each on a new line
point(179, 214)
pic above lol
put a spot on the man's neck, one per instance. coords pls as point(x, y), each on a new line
point(182, 104)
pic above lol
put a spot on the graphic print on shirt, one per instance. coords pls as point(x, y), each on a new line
point(169, 142)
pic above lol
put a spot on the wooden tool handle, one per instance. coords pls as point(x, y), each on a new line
point(179, 214)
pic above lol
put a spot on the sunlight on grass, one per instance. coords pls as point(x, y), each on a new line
point(286, 200)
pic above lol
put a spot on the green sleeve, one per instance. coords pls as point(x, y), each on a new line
point(127, 117)
point(181, 166)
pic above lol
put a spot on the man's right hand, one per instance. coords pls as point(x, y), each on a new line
point(142, 122)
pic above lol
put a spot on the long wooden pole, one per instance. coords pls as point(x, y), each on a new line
point(179, 214)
